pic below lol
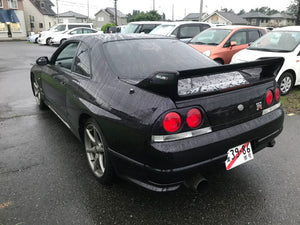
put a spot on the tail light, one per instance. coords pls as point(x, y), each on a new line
point(269, 97)
point(194, 118)
point(277, 94)
point(172, 122)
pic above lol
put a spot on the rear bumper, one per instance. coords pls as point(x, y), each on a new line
point(170, 163)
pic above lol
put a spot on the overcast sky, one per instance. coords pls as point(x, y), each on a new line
point(181, 7)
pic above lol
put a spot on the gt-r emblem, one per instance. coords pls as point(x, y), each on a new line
point(258, 106)
point(240, 107)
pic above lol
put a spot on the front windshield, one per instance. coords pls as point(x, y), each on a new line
point(162, 29)
point(53, 27)
point(277, 41)
point(60, 28)
point(130, 28)
point(210, 37)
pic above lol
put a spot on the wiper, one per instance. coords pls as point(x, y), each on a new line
point(212, 43)
point(197, 43)
point(268, 50)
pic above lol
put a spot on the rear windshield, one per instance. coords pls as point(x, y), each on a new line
point(137, 59)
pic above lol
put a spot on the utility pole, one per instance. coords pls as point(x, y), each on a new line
point(116, 13)
point(57, 17)
point(201, 8)
point(88, 9)
point(153, 5)
point(173, 12)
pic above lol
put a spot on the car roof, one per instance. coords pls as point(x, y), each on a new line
point(148, 22)
point(289, 28)
point(104, 38)
point(237, 27)
point(184, 22)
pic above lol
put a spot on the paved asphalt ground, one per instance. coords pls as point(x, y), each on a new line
point(45, 179)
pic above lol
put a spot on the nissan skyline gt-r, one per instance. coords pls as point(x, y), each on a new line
point(155, 111)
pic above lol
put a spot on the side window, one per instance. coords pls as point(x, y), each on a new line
point(138, 29)
point(77, 31)
point(239, 37)
point(147, 28)
point(175, 32)
point(262, 32)
point(189, 31)
point(82, 61)
point(204, 27)
point(65, 57)
point(253, 35)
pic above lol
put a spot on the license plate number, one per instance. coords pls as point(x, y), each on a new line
point(238, 155)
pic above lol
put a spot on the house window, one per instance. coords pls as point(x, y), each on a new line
point(3, 27)
point(41, 25)
point(13, 4)
point(31, 25)
point(15, 27)
point(1, 3)
point(100, 19)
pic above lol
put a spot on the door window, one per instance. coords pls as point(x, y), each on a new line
point(77, 31)
point(82, 61)
point(189, 31)
point(65, 57)
point(253, 35)
point(239, 37)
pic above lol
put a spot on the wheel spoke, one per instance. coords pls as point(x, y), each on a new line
point(92, 139)
point(101, 161)
point(91, 150)
point(96, 162)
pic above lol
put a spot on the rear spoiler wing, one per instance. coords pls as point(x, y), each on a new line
point(166, 83)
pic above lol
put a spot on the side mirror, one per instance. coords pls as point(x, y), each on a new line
point(232, 43)
point(42, 61)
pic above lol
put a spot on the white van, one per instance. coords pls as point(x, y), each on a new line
point(183, 30)
point(45, 36)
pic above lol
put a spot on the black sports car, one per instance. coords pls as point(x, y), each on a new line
point(154, 111)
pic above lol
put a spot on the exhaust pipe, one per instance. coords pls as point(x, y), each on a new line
point(197, 183)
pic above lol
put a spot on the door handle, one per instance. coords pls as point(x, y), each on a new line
point(62, 83)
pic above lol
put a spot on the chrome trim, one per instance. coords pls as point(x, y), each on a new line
point(179, 136)
point(59, 116)
point(268, 110)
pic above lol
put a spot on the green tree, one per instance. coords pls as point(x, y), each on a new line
point(294, 10)
point(148, 16)
point(265, 10)
point(241, 12)
point(227, 10)
point(103, 28)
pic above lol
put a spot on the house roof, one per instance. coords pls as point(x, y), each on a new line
point(232, 17)
point(254, 15)
point(46, 10)
point(72, 14)
point(192, 16)
point(282, 15)
point(111, 11)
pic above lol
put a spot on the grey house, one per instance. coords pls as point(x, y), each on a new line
point(225, 18)
point(194, 17)
point(107, 15)
point(39, 15)
point(276, 20)
point(72, 17)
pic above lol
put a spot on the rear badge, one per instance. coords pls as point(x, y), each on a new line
point(240, 107)
point(258, 106)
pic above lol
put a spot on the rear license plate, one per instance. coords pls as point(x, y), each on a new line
point(239, 155)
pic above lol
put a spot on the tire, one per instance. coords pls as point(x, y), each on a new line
point(36, 40)
point(37, 94)
point(220, 61)
point(48, 41)
point(96, 152)
point(286, 83)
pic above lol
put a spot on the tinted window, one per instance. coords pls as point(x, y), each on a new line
point(189, 31)
point(204, 26)
point(147, 28)
point(211, 37)
point(239, 37)
point(253, 35)
point(262, 32)
point(145, 57)
point(65, 57)
point(82, 61)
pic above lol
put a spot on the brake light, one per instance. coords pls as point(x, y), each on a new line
point(172, 122)
point(277, 94)
point(194, 118)
point(269, 97)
